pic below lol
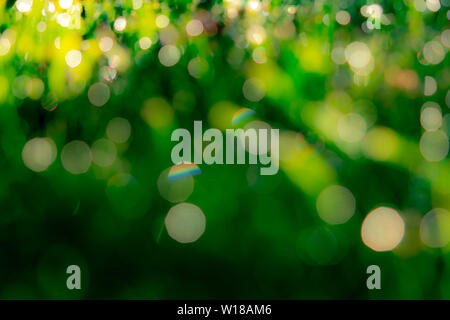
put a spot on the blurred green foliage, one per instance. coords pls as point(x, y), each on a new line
point(68, 68)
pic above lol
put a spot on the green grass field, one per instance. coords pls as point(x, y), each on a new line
point(91, 92)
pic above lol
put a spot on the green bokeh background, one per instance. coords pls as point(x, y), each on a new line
point(263, 239)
